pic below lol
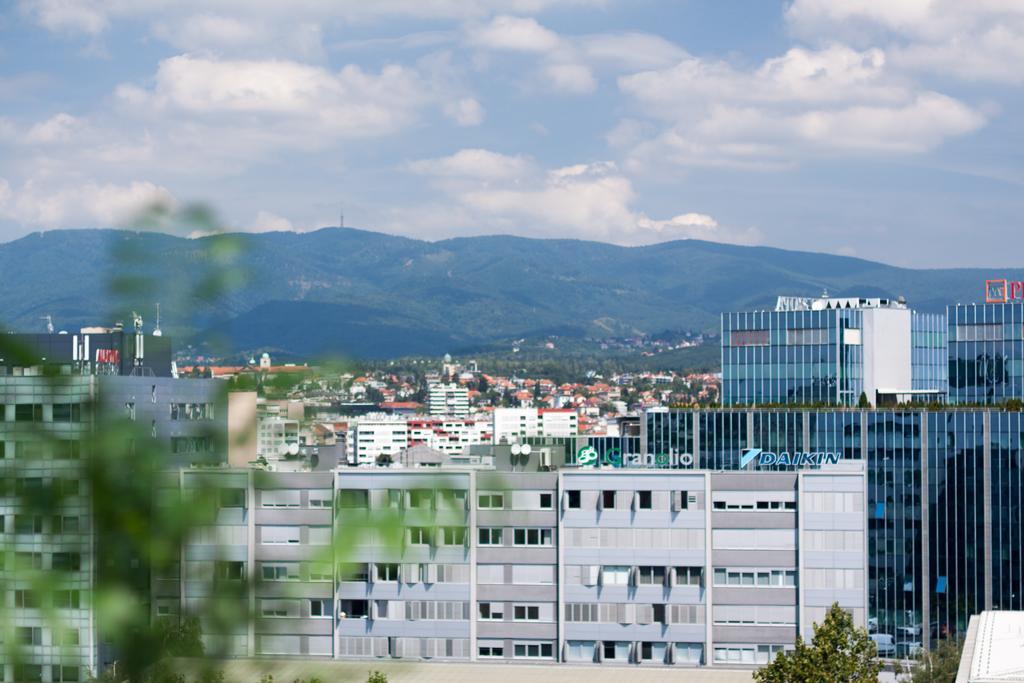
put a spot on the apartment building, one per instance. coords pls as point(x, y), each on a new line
point(579, 565)
point(448, 399)
point(448, 435)
point(375, 436)
point(515, 424)
point(267, 551)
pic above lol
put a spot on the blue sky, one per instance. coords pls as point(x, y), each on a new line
point(888, 129)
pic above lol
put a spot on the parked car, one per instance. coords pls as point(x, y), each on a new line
point(885, 644)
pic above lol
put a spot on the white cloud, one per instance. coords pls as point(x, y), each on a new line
point(518, 34)
point(576, 79)
point(245, 109)
point(58, 128)
point(972, 40)
point(476, 164)
point(567, 64)
point(466, 111)
point(836, 100)
point(265, 221)
point(282, 27)
point(488, 192)
point(37, 204)
point(630, 51)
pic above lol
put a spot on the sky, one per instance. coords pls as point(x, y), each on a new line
point(884, 129)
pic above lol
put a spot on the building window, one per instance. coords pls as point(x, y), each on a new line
point(284, 571)
point(754, 578)
point(67, 599)
point(644, 500)
point(387, 572)
point(355, 609)
point(319, 571)
point(453, 535)
point(69, 562)
point(490, 651)
point(651, 576)
point(64, 674)
point(358, 499)
point(615, 575)
point(615, 650)
point(491, 501)
point(608, 500)
point(28, 524)
point(320, 608)
point(573, 500)
point(65, 525)
point(532, 536)
point(689, 576)
point(231, 498)
point(419, 535)
point(67, 412)
point(526, 613)
point(421, 499)
point(28, 412)
point(358, 572)
point(533, 650)
point(546, 501)
point(280, 535)
point(489, 536)
point(229, 570)
point(748, 338)
point(29, 635)
point(25, 599)
point(492, 611)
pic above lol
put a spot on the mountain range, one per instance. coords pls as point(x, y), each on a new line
point(342, 291)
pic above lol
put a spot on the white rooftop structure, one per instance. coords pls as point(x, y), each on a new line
point(994, 649)
point(825, 302)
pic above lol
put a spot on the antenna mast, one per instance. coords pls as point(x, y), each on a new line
point(156, 330)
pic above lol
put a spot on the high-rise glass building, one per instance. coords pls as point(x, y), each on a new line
point(827, 351)
point(945, 493)
point(986, 352)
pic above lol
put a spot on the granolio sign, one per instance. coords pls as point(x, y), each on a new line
point(768, 458)
point(613, 457)
point(1002, 290)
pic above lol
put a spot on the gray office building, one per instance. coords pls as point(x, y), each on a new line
point(587, 566)
point(48, 418)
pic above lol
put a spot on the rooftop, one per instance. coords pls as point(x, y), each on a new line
point(994, 649)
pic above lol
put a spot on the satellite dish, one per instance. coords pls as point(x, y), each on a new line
point(293, 449)
point(525, 449)
point(516, 449)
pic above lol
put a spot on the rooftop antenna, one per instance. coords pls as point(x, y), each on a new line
point(49, 323)
point(824, 293)
point(341, 218)
point(156, 330)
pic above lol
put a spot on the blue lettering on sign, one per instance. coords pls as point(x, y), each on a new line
point(768, 458)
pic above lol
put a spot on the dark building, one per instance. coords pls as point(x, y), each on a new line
point(92, 351)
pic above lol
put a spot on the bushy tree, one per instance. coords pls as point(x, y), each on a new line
point(838, 653)
point(939, 665)
point(377, 677)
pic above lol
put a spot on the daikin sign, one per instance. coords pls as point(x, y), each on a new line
point(767, 458)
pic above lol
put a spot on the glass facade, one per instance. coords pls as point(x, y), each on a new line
point(929, 367)
point(787, 357)
point(986, 353)
point(936, 481)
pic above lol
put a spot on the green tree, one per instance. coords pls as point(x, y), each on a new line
point(838, 653)
point(939, 665)
point(863, 402)
point(377, 677)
